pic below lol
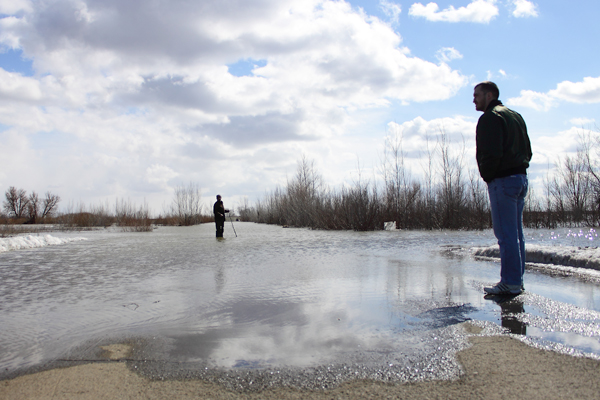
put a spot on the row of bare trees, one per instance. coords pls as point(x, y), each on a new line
point(124, 214)
point(307, 202)
point(573, 192)
point(450, 195)
point(18, 204)
point(186, 206)
point(448, 199)
point(185, 209)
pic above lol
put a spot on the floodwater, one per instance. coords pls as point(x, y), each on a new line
point(280, 306)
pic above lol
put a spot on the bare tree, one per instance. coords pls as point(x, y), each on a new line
point(360, 206)
point(576, 184)
point(568, 189)
point(49, 203)
point(302, 194)
point(478, 202)
point(132, 219)
point(33, 207)
point(16, 202)
point(428, 206)
point(186, 204)
point(590, 151)
point(246, 212)
point(400, 192)
point(452, 190)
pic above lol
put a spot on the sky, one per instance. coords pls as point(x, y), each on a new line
point(129, 99)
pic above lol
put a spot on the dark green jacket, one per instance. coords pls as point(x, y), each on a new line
point(503, 146)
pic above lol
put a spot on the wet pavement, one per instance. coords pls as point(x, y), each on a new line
point(278, 306)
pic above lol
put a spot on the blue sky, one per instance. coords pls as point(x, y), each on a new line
point(107, 99)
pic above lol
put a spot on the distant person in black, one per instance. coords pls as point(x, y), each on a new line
point(219, 211)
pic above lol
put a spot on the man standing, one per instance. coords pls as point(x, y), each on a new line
point(219, 211)
point(503, 155)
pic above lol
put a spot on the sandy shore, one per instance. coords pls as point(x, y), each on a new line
point(496, 367)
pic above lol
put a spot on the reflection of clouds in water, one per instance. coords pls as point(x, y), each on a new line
point(583, 343)
point(288, 345)
point(291, 334)
point(319, 322)
point(258, 331)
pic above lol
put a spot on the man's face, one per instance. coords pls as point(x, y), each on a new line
point(481, 99)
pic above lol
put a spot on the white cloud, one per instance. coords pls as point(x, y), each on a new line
point(10, 7)
point(9, 32)
point(143, 98)
point(159, 173)
point(585, 92)
point(582, 121)
point(550, 148)
point(448, 54)
point(392, 10)
point(421, 140)
point(500, 74)
point(418, 131)
point(524, 9)
point(535, 100)
point(14, 86)
point(478, 11)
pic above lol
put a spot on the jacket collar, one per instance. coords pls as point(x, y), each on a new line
point(493, 104)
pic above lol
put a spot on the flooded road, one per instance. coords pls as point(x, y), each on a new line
point(259, 307)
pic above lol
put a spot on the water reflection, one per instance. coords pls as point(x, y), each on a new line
point(270, 297)
point(511, 307)
point(510, 316)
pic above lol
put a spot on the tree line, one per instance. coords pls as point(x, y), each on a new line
point(449, 195)
point(185, 209)
point(20, 205)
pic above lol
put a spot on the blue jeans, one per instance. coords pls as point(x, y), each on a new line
point(507, 200)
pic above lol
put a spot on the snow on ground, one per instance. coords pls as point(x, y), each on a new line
point(570, 256)
point(31, 241)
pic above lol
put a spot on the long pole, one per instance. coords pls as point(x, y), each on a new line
point(230, 220)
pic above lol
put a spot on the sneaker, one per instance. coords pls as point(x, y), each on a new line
point(503, 288)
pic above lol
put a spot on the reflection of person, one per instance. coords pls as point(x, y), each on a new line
point(503, 155)
point(510, 318)
point(219, 211)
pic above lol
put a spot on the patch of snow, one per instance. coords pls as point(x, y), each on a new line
point(570, 256)
point(32, 241)
point(389, 226)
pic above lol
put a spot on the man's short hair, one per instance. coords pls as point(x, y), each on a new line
point(489, 87)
